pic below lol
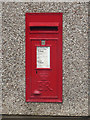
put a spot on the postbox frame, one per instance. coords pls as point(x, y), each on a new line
point(28, 63)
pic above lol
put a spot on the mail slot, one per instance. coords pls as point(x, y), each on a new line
point(43, 57)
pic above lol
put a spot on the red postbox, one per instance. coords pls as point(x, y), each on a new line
point(44, 57)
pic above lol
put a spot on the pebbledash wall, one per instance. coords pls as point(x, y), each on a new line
point(75, 59)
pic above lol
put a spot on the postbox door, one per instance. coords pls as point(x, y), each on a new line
point(44, 83)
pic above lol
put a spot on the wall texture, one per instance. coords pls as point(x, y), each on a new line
point(75, 59)
point(1, 60)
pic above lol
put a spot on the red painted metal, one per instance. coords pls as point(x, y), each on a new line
point(43, 23)
point(44, 84)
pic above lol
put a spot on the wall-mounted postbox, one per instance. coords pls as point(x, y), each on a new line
point(44, 57)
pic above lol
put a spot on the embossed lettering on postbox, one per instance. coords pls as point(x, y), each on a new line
point(43, 57)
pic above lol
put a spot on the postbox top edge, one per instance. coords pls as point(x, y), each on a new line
point(44, 13)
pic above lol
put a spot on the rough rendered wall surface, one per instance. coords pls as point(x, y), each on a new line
point(75, 59)
point(0, 60)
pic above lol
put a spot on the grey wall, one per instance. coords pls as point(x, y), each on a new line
point(0, 60)
point(75, 59)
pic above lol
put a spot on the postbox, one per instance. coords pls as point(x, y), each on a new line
point(43, 59)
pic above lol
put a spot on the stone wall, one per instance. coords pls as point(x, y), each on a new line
point(75, 59)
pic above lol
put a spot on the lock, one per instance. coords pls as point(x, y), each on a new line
point(43, 57)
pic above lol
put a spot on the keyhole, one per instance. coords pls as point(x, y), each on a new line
point(36, 71)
